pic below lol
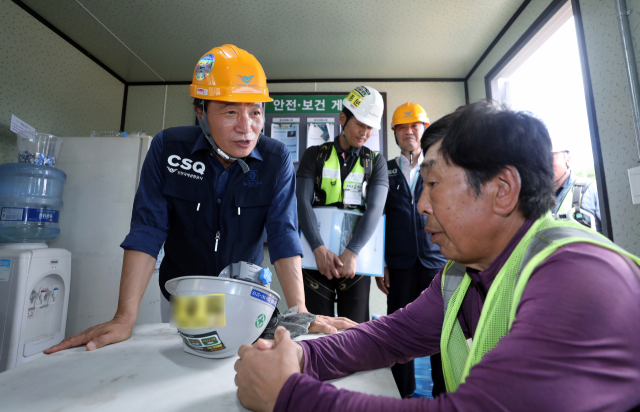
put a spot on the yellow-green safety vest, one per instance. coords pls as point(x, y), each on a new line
point(331, 183)
point(544, 237)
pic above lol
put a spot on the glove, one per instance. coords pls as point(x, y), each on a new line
point(296, 323)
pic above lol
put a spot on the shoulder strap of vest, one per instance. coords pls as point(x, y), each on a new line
point(324, 152)
point(579, 187)
point(545, 237)
point(452, 279)
point(366, 160)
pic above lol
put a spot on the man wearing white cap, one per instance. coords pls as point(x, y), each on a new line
point(345, 174)
point(576, 197)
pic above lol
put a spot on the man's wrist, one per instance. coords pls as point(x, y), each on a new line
point(350, 250)
point(126, 318)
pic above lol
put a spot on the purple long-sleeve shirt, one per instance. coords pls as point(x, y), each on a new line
point(574, 346)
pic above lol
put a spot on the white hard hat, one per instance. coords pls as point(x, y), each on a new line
point(366, 105)
point(247, 310)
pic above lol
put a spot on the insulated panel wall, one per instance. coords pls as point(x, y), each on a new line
point(145, 109)
point(179, 110)
point(49, 84)
point(613, 111)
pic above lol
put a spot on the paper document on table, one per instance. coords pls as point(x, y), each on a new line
point(287, 133)
point(336, 228)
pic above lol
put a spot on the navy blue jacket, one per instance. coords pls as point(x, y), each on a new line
point(186, 198)
point(405, 239)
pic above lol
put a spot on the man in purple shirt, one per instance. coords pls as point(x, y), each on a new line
point(575, 342)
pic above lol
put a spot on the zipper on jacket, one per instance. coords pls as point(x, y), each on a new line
point(217, 239)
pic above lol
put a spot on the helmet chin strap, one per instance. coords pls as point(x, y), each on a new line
point(561, 177)
point(205, 129)
point(344, 136)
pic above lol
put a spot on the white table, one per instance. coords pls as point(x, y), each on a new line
point(149, 371)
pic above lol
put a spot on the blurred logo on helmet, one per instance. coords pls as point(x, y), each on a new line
point(245, 79)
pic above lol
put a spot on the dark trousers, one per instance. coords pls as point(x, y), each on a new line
point(406, 286)
point(352, 295)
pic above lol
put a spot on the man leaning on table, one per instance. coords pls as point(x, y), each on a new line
point(195, 198)
point(549, 308)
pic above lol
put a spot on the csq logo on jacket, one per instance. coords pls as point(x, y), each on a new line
point(392, 172)
point(186, 164)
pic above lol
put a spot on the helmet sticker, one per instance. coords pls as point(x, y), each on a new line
point(357, 95)
point(355, 98)
point(198, 312)
point(260, 320)
point(204, 66)
point(245, 79)
point(208, 342)
point(202, 91)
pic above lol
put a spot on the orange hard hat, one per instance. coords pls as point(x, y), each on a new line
point(409, 113)
point(229, 74)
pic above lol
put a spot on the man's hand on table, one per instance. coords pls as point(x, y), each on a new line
point(329, 325)
point(95, 337)
point(264, 368)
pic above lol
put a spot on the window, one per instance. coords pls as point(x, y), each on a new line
point(543, 74)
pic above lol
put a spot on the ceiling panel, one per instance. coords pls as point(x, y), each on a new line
point(292, 39)
point(75, 22)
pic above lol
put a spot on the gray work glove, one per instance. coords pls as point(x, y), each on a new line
point(296, 323)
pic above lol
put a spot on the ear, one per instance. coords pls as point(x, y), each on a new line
point(342, 118)
point(508, 190)
point(198, 110)
point(567, 157)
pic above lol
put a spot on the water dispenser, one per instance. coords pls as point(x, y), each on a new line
point(34, 279)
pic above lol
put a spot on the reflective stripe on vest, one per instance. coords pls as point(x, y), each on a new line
point(331, 182)
point(499, 309)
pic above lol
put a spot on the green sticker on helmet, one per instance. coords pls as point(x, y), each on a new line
point(204, 66)
point(260, 320)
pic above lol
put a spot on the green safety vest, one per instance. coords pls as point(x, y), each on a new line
point(328, 184)
point(499, 309)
